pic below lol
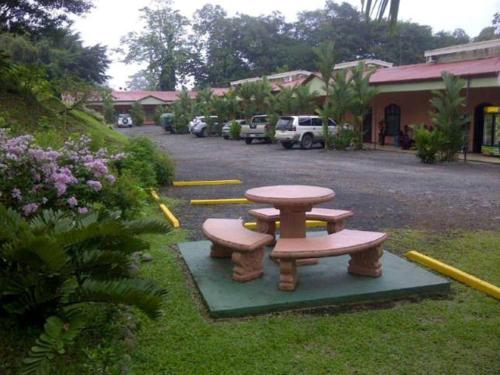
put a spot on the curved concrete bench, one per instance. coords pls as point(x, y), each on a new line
point(230, 239)
point(365, 249)
point(267, 217)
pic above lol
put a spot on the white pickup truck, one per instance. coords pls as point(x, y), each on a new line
point(258, 128)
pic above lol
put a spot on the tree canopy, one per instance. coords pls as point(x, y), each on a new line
point(213, 48)
point(32, 15)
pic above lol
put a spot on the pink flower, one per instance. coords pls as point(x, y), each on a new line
point(16, 193)
point(110, 178)
point(94, 185)
point(72, 202)
point(83, 210)
point(29, 209)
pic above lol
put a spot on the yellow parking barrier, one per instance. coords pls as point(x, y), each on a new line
point(170, 216)
point(455, 273)
point(220, 201)
point(206, 183)
point(155, 195)
point(309, 224)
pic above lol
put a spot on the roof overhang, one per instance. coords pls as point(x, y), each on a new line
point(474, 82)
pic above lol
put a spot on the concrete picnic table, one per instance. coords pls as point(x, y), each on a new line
point(293, 201)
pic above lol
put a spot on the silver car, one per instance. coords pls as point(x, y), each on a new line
point(200, 129)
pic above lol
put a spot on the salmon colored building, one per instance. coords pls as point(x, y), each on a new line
point(149, 100)
point(404, 91)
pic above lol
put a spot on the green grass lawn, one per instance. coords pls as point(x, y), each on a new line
point(456, 334)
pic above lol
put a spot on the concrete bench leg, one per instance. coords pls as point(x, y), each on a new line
point(219, 251)
point(334, 227)
point(248, 265)
point(367, 263)
point(288, 275)
point(268, 227)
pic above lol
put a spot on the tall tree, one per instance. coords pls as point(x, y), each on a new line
point(490, 32)
point(61, 53)
point(161, 44)
point(325, 61)
point(362, 95)
point(33, 15)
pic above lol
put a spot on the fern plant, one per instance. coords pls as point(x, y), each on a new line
point(53, 268)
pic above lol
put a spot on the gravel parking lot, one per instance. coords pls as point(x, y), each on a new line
point(384, 189)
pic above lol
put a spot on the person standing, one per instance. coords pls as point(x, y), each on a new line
point(382, 130)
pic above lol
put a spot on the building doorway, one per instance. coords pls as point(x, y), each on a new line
point(392, 118)
point(367, 127)
point(479, 127)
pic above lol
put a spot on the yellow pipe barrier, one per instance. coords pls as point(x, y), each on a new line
point(309, 224)
point(220, 201)
point(170, 216)
point(455, 273)
point(155, 195)
point(206, 183)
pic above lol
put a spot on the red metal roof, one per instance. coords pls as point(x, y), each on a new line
point(433, 71)
point(166, 96)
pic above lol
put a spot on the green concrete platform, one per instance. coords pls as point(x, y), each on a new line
point(323, 284)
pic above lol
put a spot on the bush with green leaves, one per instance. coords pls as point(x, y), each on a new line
point(147, 163)
point(234, 130)
point(137, 114)
point(160, 110)
point(54, 269)
point(448, 117)
point(343, 139)
point(427, 143)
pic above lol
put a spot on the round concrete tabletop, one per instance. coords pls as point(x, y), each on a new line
point(290, 195)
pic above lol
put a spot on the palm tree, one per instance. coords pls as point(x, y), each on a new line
point(303, 100)
point(245, 93)
point(285, 103)
point(325, 55)
point(380, 9)
point(341, 96)
point(232, 104)
point(262, 92)
point(362, 95)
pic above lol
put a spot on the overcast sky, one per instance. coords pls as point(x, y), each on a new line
point(111, 19)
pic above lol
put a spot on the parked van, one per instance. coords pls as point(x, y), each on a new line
point(304, 130)
point(258, 128)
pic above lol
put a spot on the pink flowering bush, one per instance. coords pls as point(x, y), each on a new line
point(72, 178)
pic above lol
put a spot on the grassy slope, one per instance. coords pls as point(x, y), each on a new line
point(457, 334)
point(51, 128)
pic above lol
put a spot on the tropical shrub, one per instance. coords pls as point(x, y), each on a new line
point(137, 114)
point(427, 143)
point(183, 111)
point(72, 178)
point(147, 162)
point(160, 110)
point(448, 117)
point(108, 108)
point(234, 130)
point(343, 139)
point(55, 269)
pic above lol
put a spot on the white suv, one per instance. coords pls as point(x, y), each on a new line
point(124, 120)
point(304, 130)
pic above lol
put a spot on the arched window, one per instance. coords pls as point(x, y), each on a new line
point(392, 119)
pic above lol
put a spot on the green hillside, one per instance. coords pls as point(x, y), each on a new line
point(52, 124)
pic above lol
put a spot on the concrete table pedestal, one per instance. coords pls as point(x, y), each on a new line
point(293, 201)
